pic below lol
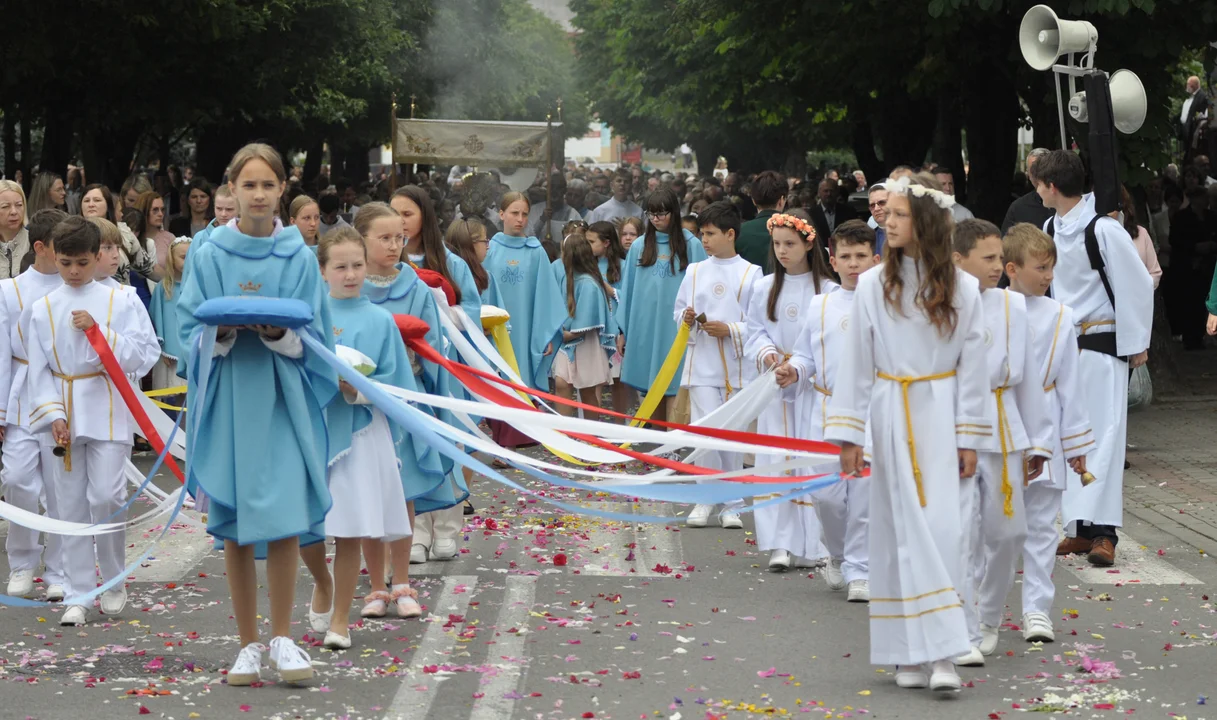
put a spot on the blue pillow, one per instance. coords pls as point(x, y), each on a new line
point(245, 310)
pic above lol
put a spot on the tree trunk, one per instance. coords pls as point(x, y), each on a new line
point(107, 153)
point(163, 151)
point(706, 153)
point(991, 119)
point(906, 128)
point(56, 142)
point(312, 161)
point(26, 150)
point(10, 142)
point(948, 141)
point(862, 137)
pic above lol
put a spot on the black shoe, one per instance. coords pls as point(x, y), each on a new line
point(469, 508)
point(1127, 464)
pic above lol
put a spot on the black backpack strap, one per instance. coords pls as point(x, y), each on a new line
point(1096, 258)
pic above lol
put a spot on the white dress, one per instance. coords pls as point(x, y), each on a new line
point(924, 395)
point(369, 501)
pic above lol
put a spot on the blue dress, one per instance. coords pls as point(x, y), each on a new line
point(593, 311)
point(648, 295)
point(521, 269)
point(262, 447)
point(371, 330)
point(164, 318)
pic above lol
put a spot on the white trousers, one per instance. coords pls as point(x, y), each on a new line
point(24, 487)
point(704, 400)
point(844, 510)
point(438, 525)
point(1042, 503)
point(92, 492)
point(994, 542)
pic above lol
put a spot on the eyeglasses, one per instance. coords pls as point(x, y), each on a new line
point(881, 203)
point(659, 215)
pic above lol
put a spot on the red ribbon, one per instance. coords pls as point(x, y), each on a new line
point(120, 380)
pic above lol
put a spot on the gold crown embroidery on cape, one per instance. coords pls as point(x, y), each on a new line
point(250, 287)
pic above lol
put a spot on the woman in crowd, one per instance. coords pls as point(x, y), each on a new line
point(48, 192)
point(198, 213)
point(306, 216)
point(14, 241)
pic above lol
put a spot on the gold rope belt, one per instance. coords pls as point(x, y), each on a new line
point(69, 380)
point(1007, 490)
point(905, 382)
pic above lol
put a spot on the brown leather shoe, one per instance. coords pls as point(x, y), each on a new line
point(1102, 553)
point(1073, 546)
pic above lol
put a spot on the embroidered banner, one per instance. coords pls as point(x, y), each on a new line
point(473, 142)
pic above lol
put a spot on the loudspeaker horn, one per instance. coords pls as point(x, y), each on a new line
point(1128, 103)
point(1043, 37)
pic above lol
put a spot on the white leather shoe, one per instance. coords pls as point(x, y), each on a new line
point(54, 593)
point(859, 591)
point(443, 549)
point(292, 663)
point(320, 621)
point(113, 601)
point(988, 640)
point(943, 677)
point(418, 555)
point(334, 641)
point(699, 516)
point(1037, 627)
point(21, 583)
point(74, 615)
point(730, 520)
point(912, 676)
point(833, 576)
point(247, 669)
point(971, 658)
point(779, 561)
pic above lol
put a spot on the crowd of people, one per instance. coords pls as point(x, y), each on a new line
point(975, 377)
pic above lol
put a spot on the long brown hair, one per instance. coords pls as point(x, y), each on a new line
point(614, 253)
point(578, 258)
point(461, 235)
point(434, 257)
point(932, 227)
point(664, 200)
point(815, 261)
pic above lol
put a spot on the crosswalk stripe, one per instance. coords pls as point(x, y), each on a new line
point(417, 691)
point(1134, 564)
point(519, 599)
point(612, 558)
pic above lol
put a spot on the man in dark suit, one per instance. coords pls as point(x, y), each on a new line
point(1028, 208)
point(1192, 118)
point(769, 196)
point(829, 211)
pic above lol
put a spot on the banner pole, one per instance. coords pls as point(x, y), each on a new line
point(393, 145)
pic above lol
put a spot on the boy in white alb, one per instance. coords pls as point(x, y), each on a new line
point(713, 301)
point(1030, 255)
point(843, 507)
point(108, 259)
point(995, 527)
point(72, 396)
point(24, 482)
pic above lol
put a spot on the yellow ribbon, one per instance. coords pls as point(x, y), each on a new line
point(502, 341)
point(905, 381)
point(166, 392)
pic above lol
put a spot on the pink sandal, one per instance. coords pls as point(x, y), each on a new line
point(406, 600)
point(375, 605)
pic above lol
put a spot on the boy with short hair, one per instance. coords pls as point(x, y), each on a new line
point(713, 301)
point(23, 475)
point(995, 528)
point(1030, 255)
point(72, 396)
point(843, 508)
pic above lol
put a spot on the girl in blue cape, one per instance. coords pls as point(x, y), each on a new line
point(654, 269)
point(257, 442)
point(163, 311)
point(370, 493)
point(612, 269)
point(590, 332)
point(521, 270)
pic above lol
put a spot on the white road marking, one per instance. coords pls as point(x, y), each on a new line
point(182, 549)
point(612, 560)
point(519, 599)
point(418, 691)
point(1133, 565)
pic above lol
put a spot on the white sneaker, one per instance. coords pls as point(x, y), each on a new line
point(730, 520)
point(74, 615)
point(833, 576)
point(912, 676)
point(988, 640)
point(113, 601)
point(21, 583)
point(443, 549)
point(971, 658)
point(1038, 627)
point(334, 641)
point(779, 561)
point(699, 516)
point(54, 593)
point(859, 591)
point(247, 669)
point(320, 621)
point(418, 555)
point(943, 677)
point(292, 663)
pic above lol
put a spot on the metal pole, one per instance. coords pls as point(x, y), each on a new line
point(549, 163)
point(393, 146)
point(413, 166)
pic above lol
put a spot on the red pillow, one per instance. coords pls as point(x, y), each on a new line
point(411, 327)
point(435, 280)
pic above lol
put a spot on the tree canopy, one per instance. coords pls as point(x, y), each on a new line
point(94, 81)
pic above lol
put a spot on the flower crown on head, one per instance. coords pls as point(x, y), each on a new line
point(904, 186)
point(798, 225)
point(180, 240)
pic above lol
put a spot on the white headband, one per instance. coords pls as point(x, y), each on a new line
point(904, 187)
